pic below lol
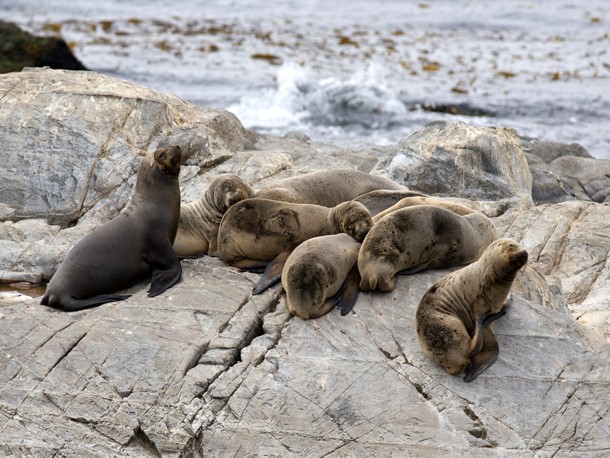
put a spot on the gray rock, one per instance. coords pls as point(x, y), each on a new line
point(72, 139)
point(548, 151)
point(569, 244)
point(451, 158)
point(592, 174)
point(207, 369)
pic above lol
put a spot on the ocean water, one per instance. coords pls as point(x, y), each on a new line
point(356, 72)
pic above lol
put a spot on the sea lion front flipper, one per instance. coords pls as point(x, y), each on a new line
point(165, 266)
point(74, 305)
point(478, 339)
point(485, 357)
point(164, 279)
point(349, 291)
point(273, 272)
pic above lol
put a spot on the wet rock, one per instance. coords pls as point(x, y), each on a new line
point(452, 158)
point(21, 49)
point(207, 369)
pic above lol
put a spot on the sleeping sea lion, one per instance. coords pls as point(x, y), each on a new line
point(255, 231)
point(321, 274)
point(420, 237)
point(327, 188)
point(199, 220)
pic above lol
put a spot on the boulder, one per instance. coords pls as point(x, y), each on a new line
point(452, 158)
point(207, 369)
point(73, 140)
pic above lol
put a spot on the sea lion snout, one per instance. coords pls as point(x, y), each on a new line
point(170, 159)
point(519, 259)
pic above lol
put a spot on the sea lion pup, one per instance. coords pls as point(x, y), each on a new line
point(321, 274)
point(199, 220)
point(327, 188)
point(453, 319)
point(420, 237)
point(456, 208)
point(125, 250)
point(255, 231)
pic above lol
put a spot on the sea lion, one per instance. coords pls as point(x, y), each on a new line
point(453, 319)
point(255, 231)
point(327, 188)
point(456, 208)
point(320, 274)
point(199, 220)
point(382, 199)
point(420, 237)
point(125, 250)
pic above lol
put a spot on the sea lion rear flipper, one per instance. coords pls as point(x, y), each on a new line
point(273, 272)
point(74, 305)
point(413, 270)
point(485, 357)
point(349, 291)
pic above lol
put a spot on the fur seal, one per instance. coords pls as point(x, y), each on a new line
point(255, 231)
point(327, 188)
point(453, 319)
point(321, 274)
point(456, 208)
point(420, 237)
point(125, 250)
point(199, 220)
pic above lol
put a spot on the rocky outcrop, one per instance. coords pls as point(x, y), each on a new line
point(565, 172)
point(21, 49)
point(207, 369)
point(452, 158)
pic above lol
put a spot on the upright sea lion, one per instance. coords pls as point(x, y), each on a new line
point(456, 208)
point(421, 237)
point(320, 274)
point(453, 319)
point(327, 188)
point(131, 246)
point(255, 231)
point(199, 220)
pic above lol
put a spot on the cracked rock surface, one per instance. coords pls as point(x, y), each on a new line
point(207, 369)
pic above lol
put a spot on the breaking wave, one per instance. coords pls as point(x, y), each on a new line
point(300, 100)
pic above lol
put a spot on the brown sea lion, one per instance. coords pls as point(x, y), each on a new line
point(453, 319)
point(131, 246)
point(255, 231)
point(456, 208)
point(420, 237)
point(327, 188)
point(199, 220)
point(382, 199)
point(321, 274)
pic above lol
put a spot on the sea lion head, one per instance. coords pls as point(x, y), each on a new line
point(226, 190)
point(353, 218)
point(508, 257)
point(169, 159)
